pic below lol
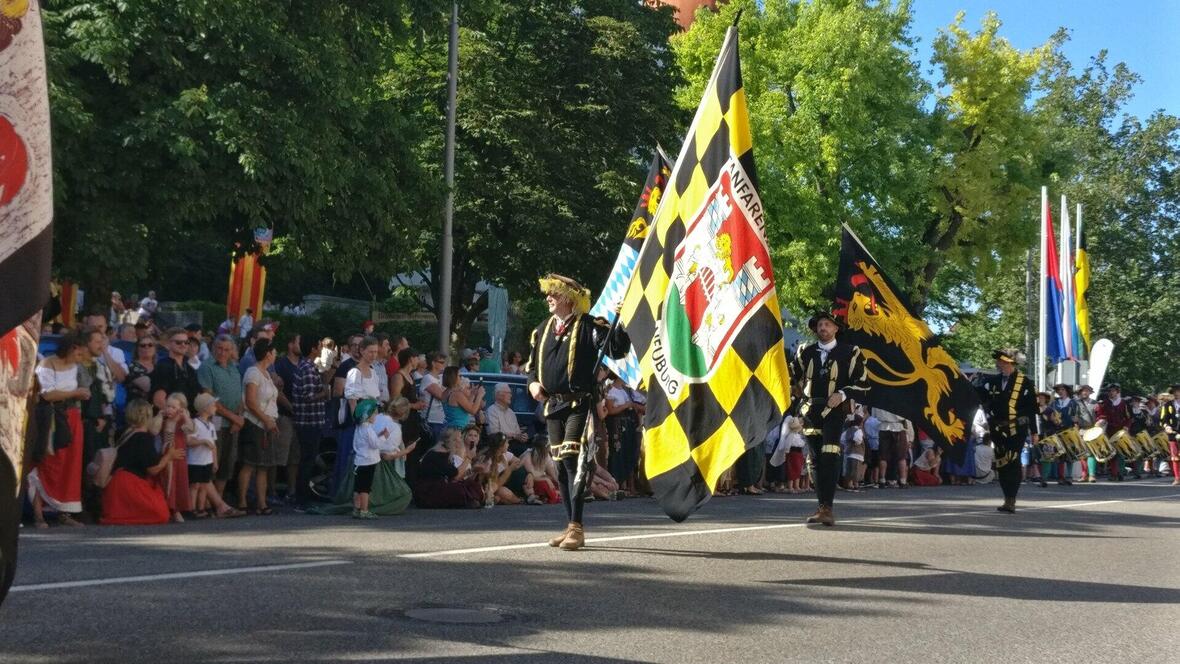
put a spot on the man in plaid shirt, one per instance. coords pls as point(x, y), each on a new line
point(309, 394)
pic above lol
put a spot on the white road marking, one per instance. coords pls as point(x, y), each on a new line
point(174, 575)
point(779, 526)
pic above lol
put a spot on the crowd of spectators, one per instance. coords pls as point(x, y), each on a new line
point(137, 425)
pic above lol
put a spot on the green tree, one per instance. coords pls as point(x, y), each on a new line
point(846, 130)
point(180, 125)
point(560, 104)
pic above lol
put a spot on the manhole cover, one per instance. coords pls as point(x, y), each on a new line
point(456, 616)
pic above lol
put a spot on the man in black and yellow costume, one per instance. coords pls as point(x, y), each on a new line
point(561, 372)
point(831, 373)
point(1011, 406)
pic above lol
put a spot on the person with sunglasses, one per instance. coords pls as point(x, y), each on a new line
point(139, 372)
point(174, 373)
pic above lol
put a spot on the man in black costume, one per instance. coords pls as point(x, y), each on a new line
point(561, 372)
point(830, 373)
point(1010, 404)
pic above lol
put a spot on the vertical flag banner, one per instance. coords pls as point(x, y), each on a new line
point(1051, 308)
point(26, 243)
point(1065, 278)
point(702, 311)
point(1081, 286)
point(247, 286)
point(68, 297)
point(909, 371)
point(627, 368)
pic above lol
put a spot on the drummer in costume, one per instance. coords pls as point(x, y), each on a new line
point(830, 372)
point(561, 373)
point(1065, 416)
point(1011, 407)
point(1114, 415)
point(1170, 421)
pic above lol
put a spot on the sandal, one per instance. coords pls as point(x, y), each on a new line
point(265, 511)
point(199, 514)
point(229, 513)
point(40, 523)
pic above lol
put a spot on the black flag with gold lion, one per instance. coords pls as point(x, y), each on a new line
point(910, 373)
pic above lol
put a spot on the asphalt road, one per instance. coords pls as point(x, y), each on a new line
point(1087, 573)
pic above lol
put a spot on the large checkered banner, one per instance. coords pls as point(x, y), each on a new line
point(702, 310)
point(612, 294)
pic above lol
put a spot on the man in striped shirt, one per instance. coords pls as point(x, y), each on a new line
point(309, 393)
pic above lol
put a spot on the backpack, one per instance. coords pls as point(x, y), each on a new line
point(103, 466)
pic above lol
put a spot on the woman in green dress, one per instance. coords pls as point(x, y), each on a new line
point(390, 494)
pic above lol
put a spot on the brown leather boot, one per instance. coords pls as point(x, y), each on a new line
point(556, 541)
point(576, 539)
point(823, 515)
point(826, 517)
point(1009, 506)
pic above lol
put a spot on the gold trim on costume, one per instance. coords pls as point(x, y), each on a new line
point(830, 449)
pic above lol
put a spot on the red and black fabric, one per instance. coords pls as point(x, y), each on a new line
point(130, 500)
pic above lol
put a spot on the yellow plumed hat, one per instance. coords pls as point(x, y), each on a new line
point(577, 293)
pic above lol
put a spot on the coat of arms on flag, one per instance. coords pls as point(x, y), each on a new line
point(701, 309)
point(720, 276)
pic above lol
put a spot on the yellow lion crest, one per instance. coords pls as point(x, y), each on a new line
point(889, 319)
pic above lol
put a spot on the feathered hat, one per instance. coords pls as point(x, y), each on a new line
point(578, 294)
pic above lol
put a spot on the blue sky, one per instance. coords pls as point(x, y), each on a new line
point(1141, 33)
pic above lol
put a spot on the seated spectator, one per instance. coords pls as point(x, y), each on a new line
point(460, 402)
point(540, 485)
point(444, 475)
point(500, 417)
point(494, 465)
point(925, 467)
point(133, 497)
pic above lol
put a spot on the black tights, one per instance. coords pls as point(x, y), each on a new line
point(567, 470)
point(1008, 462)
point(565, 427)
point(827, 470)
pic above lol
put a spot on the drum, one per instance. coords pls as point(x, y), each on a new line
point(1052, 448)
point(1073, 442)
point(1097, 444)
point(1126, 445)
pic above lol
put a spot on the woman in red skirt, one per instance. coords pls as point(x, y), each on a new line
point(134, 497)
point(56, 481)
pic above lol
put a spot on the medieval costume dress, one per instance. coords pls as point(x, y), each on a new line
point(1116, 413)
point(563, 360)
point(1012, 414)
point(823, 370)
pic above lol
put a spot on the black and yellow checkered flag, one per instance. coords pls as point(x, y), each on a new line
point(702, 310)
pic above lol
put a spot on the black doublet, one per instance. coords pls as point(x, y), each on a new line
point(843, 370)
point(1011, 408)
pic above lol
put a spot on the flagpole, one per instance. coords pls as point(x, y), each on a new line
point(443, 306)
point(1083, 353)
point(1064, 296)
point(1041, 327)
